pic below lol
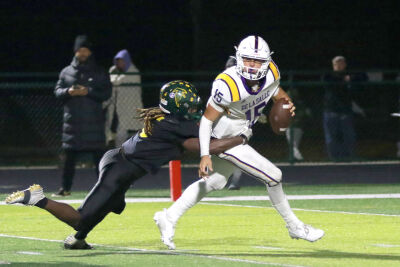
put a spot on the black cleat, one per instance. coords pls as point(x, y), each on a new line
point(72, 243)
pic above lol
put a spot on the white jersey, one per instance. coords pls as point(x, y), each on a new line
point(242, 106)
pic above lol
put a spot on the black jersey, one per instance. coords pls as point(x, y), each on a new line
point(164, 144)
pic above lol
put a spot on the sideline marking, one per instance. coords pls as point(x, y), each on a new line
point(247, 198)
point(166, 252)
point(195, 166)
point(29, 253)
point(269, 248)
point(308, 210)
point(385, 245)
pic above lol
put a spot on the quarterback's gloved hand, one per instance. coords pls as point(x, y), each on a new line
point(246, 134)
point(263, 119)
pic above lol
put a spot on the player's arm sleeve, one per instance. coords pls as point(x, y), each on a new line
point(205, 136)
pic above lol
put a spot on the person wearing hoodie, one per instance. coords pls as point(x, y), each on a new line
point(82, 87)
point(121, 110)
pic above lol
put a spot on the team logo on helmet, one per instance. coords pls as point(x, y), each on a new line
point(181, 98)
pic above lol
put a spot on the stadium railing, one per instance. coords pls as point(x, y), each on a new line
point(31, 117)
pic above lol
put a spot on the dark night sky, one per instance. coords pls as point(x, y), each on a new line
point(199, 35)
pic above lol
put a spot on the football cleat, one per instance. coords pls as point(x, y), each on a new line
point(166, 227)
point(29, 196)
point(306, 232)
point(72, 243)
point(61, 193)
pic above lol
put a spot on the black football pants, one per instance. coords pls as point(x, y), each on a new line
point(108, 195)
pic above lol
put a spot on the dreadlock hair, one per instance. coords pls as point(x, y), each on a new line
point(147, 115)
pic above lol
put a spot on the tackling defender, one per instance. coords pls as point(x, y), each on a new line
point(239, 94)
point(168, 130)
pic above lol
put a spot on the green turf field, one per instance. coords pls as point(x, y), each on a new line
point(359, 232)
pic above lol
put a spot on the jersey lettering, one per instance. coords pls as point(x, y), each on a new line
point(253, 114)
point(218, 96)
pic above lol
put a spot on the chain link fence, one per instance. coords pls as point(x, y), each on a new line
point(31, 117)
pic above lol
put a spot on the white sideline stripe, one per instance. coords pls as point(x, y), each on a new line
point(247, 198)
point(269, 248)
point(385, 245)
point(308, 210)
point(173, 252)
point(309, 163)
point(29, 253)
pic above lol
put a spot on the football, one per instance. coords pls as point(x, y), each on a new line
point(279, 116)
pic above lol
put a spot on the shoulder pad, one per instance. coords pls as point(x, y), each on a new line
point(274, 69)
point(225, 89)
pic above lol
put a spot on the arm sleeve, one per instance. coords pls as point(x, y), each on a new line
point(205, 136)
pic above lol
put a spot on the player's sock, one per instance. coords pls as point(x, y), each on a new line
point(80, 235)
point(281, 204)
point(193, 194)
point(42, 203)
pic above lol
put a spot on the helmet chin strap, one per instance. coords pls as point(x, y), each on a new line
point(164, 110)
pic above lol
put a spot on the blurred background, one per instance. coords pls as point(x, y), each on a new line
point(192, 40)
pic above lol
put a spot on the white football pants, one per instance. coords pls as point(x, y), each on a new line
point(250, 161)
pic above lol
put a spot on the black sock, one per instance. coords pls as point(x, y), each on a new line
point(80, 235)
point(42, 203)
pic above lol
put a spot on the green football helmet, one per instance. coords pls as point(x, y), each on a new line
point(181, 98)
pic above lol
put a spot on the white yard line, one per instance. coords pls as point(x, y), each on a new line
point(167, 252)
point(195, 165)
point(308, 210)
point(249, 198)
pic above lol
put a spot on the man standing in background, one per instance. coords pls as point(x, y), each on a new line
point(82, 86)
point(340, 136)
point(121, 116)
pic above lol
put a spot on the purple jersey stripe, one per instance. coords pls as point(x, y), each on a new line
point(250, 166)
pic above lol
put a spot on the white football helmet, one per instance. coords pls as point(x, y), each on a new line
point(256, 48)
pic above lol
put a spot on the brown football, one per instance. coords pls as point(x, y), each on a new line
point(279, 116)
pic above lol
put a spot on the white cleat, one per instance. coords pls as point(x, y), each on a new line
point(29, 196)
point(306, 232)
point(166, 227)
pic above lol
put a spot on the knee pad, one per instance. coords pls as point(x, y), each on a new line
point(216, 181)
point(276, 176)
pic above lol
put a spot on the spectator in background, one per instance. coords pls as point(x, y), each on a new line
point(296, 127)
point(338, 123)
point(121, 116)
point(82, 86)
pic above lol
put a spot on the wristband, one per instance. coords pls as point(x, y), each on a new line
point(245, 140)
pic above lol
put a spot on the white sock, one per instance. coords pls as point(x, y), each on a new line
point(281, 204)
point(193, 194)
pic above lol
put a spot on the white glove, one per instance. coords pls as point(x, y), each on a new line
point(263, 119)
point(246, 134)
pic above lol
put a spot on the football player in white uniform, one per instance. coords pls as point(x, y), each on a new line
point(239, 94)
